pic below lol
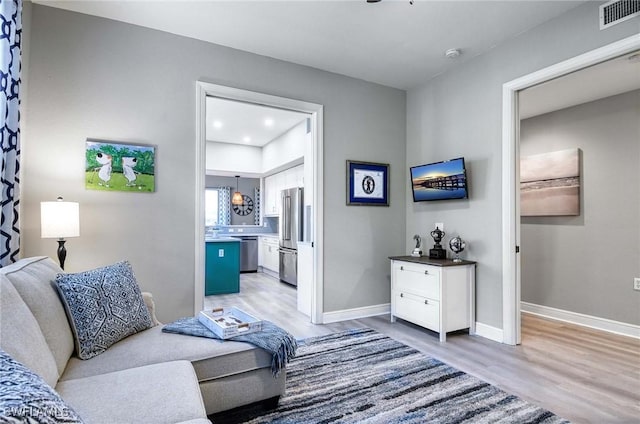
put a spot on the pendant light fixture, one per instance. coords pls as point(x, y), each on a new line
point(236, 199)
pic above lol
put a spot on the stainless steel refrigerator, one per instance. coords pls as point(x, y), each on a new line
point(290, 230)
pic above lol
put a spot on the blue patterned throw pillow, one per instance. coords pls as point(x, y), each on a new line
point(26, 398)
point(104, 306)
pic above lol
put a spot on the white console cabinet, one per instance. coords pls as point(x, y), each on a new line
point(437, 294)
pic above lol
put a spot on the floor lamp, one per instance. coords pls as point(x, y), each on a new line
point(60, 219)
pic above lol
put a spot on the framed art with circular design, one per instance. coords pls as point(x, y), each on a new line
point(367, 183)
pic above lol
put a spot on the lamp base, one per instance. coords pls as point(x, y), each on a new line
point(62, 252)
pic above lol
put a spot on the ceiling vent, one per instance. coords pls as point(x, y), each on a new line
point(617, 11)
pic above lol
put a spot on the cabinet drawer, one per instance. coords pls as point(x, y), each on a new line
point(417, 309)
point(420, 280)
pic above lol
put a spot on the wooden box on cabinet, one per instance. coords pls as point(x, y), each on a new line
point(437, 294)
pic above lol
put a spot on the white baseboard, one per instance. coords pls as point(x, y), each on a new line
point(489, 332)
point(268, 272)
point(356, 313)
point(603, 324)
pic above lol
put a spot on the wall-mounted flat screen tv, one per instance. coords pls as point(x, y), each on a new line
point(439, 181)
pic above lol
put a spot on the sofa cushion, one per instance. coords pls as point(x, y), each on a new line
point(25, 397)
point(210, 358)
point(243, 389)
point(34, 280)
point(20, 334)
point(155, 394)
point(104, 305)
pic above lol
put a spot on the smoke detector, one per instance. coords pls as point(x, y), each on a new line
point(452, 53)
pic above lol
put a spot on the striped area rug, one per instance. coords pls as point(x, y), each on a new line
point(361, 376)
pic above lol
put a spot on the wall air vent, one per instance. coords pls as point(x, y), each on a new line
point(617, 11)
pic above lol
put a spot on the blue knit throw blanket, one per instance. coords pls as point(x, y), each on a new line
point(272, 338)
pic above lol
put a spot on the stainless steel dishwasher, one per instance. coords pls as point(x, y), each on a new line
point(248, 253)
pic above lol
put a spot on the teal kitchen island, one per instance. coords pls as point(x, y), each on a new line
point(222, 272)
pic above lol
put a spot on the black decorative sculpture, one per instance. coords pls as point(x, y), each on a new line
point(437, 252)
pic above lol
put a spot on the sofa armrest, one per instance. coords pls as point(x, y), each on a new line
point(151, 306)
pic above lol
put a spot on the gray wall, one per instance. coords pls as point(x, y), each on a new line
point(459, 113)
point(587, 263)
point(247, 187)
point(92, 77)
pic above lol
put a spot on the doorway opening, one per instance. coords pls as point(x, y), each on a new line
point(313, 114)
point(511, 272)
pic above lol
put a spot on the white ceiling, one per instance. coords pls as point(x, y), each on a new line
point(615, 76)
point(391, 42)
point(246, 123)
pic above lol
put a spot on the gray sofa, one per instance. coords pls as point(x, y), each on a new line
point(149, 377)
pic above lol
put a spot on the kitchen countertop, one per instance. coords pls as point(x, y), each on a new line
point(249, 235)
point(221, 240)
point(236, 237)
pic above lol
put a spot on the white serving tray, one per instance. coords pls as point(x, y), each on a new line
point(229, 322)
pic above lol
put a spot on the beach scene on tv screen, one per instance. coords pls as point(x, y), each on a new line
point(439, 181)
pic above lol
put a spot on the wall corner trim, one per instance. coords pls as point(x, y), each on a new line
point(603, 324)
point(356, 313)
point(489, 332)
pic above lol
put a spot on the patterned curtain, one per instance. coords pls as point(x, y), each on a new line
point(224, 205)
point(10, 38)
point(256, 217)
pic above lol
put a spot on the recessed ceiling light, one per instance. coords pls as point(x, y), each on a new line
point(268, 122)
point(246, 139)
point(217, 124)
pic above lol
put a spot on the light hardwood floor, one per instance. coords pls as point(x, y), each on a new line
point(583, 375)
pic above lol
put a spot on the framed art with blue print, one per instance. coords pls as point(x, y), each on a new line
point(367, 183)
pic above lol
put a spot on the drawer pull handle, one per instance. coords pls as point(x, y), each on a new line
point(426, 271)
point(426, 302)
point(401, 268)
point(401, 294)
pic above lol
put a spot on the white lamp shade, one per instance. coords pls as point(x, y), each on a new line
point(237, 199)
point(59, 219)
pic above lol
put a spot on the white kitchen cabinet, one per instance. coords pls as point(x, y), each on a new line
point(260, 253)
point(272, 187)
point(293, 177)
point(270, 254)
point(299, 176)
point(274, 184)
point(289, 178)
point(437, 294)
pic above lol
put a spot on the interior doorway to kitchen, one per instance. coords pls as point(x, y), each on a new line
point(311, 264)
